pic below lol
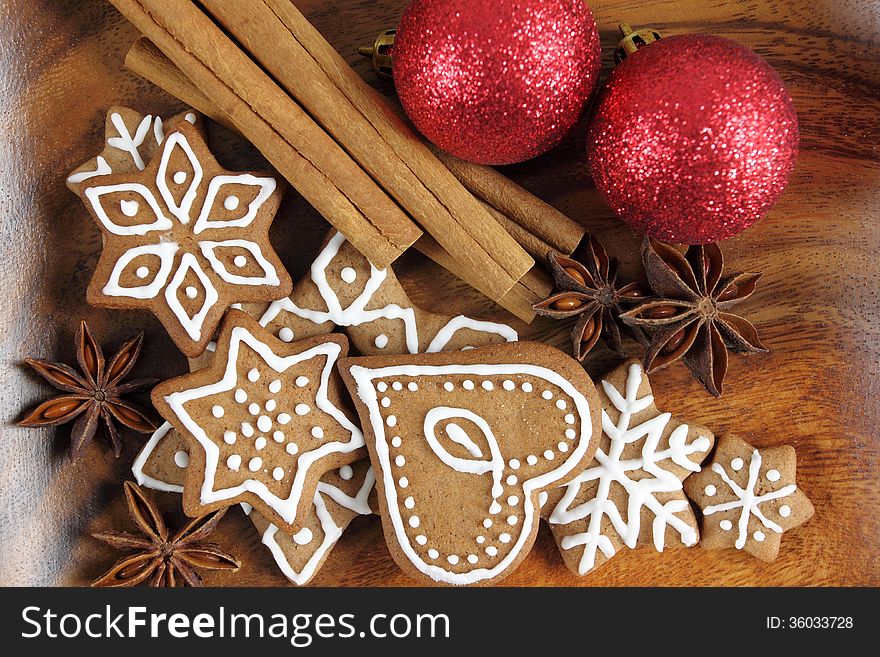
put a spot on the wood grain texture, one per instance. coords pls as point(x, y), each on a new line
point(816, 307)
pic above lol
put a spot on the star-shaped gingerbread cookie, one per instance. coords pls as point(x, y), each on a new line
point(749, 497)
point(631, 494)
point(185, 239)
point(264, 422)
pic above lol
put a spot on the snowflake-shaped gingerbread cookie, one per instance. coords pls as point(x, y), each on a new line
point(749, 497)
point(184, 238)
point(264, 422)
point(631, 494)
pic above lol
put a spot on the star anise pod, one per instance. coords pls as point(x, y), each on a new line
point(162, 560)
point(94, 394)
point(586, 287)
point(690, 319)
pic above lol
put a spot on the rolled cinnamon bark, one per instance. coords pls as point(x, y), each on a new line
point(538, 218)
point(260, 110)
point(277, 36)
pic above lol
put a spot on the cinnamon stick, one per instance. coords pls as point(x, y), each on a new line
point(277, 36)
point(518, 301)
point(534, 246)
point(296, 146)
point(146, 60)
point(540, 219)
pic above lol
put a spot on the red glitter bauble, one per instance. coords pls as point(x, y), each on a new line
point(693, 139)
point(495, 81)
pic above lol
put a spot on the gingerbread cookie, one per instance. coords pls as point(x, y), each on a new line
point(631, 494)
point(131, 139)
point(343, 289)
point(185, 239)
point(264, 422)
point(749, 497)
point(341, 496)
point(464, 444)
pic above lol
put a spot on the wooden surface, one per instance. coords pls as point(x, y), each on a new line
point(816, 307)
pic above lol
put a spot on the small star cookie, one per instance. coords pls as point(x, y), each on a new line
point(749, 497)
point(263, 422)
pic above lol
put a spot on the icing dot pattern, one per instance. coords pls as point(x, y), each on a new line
point(507, 508)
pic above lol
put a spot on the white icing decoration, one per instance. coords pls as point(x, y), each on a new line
point(746, 500)
point(101, 169)
point(491, 465)
point(190, 117)
point(278, 474)
point(412, 386)
point(181, 210)
point(759, 536)
point(164, 251)
point(255, 464)
point(231, 203)
point(229, 437)
point(356, 313)
point(785, 511)
point(332, 532)
point(241, 396)
point(302, 409)
point(275, 386)
point(191, 292)
point(129, 208)
point(381, 341)
point(610, 469)
point(254, 408)
point(137, 468)
point(126, 141)
point(179, 177)
point(278, 436)
point(270, 405)
point(284, 507)
point(191, 324)
point(348, 275)
point(773, 475)
point(301, 381)
point(303, 536)
point(239, 261)
point(710, 490)
point(726, 525)
point(737, 464)
point(205, 222)
point(508, 385)
point(234, 462)
point(286, 334)
point(247, 429)
point(253, 375)
point(317, 432)
point(159, 221)
point(269, 275)
point(346, 473)
point(217, 411)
